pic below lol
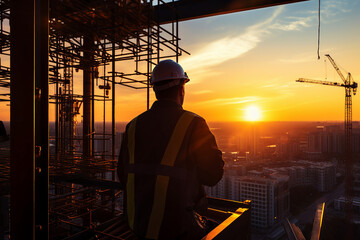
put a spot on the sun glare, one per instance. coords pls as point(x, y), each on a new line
point(252, 113)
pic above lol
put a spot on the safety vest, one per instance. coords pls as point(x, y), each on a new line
point(163, 172)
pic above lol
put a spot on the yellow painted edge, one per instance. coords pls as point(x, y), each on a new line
point(221, 227)
point(321, 218)
point(158, 209)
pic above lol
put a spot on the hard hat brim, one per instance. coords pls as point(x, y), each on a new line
point(169, 83)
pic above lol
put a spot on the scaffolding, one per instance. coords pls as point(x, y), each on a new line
point(4, 100)
point(4, 51)
point(94, 37)
point(94, 46)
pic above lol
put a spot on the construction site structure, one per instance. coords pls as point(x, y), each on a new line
point(350, 89)
point(4, 51)
point(65, 60)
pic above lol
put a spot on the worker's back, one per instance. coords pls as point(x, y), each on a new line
point(167, 194)
point(165, 158)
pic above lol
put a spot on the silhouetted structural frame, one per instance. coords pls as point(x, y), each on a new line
point(46, 47)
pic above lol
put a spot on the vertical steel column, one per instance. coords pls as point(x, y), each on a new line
point(158, 36)
point(92, 98)
point(103, 152)
point(149, 56)
point(57, 139)
point(22, 117)
point(177, 36)
point(42, 119)
point(61, 125)
point(113, 127)
point(87, 97)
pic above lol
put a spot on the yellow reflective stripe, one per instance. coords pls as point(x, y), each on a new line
point(157, 212)
point(130, 185)
point(162, 182)
point(176, 139)
point(130, 199)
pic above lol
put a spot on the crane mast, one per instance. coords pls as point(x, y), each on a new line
point(350, 88)
point(349, 190)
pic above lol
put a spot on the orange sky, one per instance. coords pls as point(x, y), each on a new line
point(254, 58)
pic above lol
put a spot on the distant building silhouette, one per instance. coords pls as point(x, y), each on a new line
point(3, 135)
point(329, 140)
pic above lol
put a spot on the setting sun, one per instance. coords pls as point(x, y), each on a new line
point(252, 113)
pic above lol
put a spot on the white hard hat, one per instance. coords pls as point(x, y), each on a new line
point(168, 70)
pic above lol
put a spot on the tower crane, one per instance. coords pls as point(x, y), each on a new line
point(350, 88)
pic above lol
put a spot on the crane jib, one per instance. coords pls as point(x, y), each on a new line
point(348, 159)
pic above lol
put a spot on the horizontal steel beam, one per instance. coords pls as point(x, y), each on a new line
point(226, 204)
point(192, 9)
point(98, 183)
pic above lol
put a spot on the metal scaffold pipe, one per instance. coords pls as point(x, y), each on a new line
point(87, 97)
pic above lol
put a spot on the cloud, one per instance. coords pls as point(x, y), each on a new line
point(332, 8)
point(229, 101)
point(125, 98)
point(201, 92)
point(198, 75)
point(295, 23)
point(305, 57)
point(300, 58)
point(229, 47)
point(329, 9)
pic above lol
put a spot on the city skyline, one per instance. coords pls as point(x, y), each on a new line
point(252, 59)
point(276, 149)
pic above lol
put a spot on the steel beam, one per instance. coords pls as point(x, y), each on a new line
point(85, 181)
point(113, 126)
point(42, 119)
point(22, 117)
point(187, 10)
point(289, 230)
point(29, 120)
point(87, 98)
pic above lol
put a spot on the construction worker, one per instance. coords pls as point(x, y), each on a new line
point(166, 157)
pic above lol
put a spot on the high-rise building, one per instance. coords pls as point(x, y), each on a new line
point(270, 198)
point(226, 187)
point(330, 140)
point(322, 175)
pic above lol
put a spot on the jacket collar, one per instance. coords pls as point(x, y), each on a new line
point(166, 103)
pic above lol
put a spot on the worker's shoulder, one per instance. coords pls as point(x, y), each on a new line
point(133, 121)
point(191, 114)
point(197, 118)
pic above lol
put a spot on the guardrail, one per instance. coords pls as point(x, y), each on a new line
point(235, 219)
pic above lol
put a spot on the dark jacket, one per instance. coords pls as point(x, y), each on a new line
point(198, 162)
